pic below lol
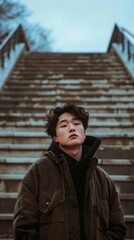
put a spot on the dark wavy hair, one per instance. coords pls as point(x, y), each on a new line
point(53, 117)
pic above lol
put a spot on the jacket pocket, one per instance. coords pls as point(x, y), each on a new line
point(101, 219)
point(51, 206)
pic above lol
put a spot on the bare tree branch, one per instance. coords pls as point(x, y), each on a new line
point(12, 12)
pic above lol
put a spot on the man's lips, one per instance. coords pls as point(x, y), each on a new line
point(73, 136)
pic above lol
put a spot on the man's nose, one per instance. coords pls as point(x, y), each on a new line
point(71, 127)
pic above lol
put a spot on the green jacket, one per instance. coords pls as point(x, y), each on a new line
point(47, 207)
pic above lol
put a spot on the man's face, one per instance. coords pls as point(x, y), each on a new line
point(69, 131)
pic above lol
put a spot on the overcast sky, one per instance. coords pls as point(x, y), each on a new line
point(82, 25)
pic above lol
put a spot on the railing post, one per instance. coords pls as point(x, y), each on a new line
point(129, 50)
point(2, 58)
point(122, 41)
point(14, 42)
point(8, 49)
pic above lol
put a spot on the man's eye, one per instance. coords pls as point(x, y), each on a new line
point(63, 125)
point(76, 123)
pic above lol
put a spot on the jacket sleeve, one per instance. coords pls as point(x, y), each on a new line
point(117, 228)
point(26, 214)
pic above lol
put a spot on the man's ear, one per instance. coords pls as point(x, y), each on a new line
point(55, 139)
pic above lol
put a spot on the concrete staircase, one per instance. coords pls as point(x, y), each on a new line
point(40, 81)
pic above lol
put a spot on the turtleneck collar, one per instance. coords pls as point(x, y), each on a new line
point(89, 148)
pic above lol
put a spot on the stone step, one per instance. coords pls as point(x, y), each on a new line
point(115, 153)
point(127, 201)
point(68, 63)
point(16, 99)
point(57, 77)
point(38, 107)
point(38, 101)
point(72, 63)
point(37, 112)
point(65, 68)
point(6, 223)
point(22, 160)
point(7, 202)
point(69, 57)
point(110, 61)
point(106, 57)
point(66, 74)
point(35, 58)
point(129, 219)
point(75, 61)
point(62, 83)
point(27, 150)
point(94, 63)
point(127, 107)
point(60, 76)
point(72, 58)
point(77, 70)
point(24, 137)
point(58, 63)
point(93, 115)
point(43, 68)
point(118, 167)
point(123, 183)
point(11, 183)
point(65, 90)
point(95, 82)
point(16, 165)
point(53, 95)
point(114, 119)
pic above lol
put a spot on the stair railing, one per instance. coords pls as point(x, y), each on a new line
point(120, 38)
point(9, 43)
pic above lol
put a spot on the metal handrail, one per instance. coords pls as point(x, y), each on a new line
point(127, 47)
point(9, 43)
point(128, 32)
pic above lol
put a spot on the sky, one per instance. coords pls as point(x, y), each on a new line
point(81, 25)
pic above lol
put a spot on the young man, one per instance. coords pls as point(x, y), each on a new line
point(65, 195)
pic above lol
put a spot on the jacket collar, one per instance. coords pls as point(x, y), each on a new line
point(91, 144)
